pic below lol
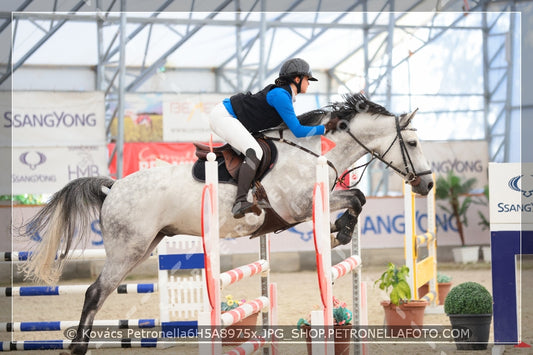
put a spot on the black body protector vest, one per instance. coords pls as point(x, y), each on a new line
point(253, 110)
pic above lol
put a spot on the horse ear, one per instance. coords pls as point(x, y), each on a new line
point(406, 118)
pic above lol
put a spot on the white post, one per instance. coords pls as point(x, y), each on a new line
point(210, 234)
point(321, 229)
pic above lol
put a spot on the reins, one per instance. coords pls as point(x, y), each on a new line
point(410, 175)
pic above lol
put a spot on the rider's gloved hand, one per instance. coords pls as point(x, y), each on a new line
point(332, 124)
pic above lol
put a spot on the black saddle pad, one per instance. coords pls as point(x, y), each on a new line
point(198, 169)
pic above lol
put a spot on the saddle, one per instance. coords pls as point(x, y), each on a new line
point(229, 162)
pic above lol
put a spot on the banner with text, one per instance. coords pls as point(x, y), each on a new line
point(41, 170)
point(382, 226)
point(138, 156)
point(41, 119)
point(185, 117)
point(511, 194)
point(467, 159)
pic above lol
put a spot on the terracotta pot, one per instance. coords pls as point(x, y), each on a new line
point(245, 326)
point(402, 319)
point(342, 339)
point(442, 288)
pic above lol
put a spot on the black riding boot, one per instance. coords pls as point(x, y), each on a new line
point(246, 176)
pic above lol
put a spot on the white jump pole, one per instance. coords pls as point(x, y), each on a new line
point(210, 230)
point(321, 230)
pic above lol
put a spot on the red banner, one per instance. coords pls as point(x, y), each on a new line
point(139, 156)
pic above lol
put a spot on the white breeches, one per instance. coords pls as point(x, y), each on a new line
point(232, 131)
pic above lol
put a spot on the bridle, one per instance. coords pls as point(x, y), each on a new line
point(409, 174)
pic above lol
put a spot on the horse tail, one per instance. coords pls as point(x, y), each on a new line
point(64, 221)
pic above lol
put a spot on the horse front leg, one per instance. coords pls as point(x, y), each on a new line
point(353, 200)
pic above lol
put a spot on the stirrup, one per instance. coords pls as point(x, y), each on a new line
point(240, 208)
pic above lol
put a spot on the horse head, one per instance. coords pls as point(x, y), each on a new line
point(387, 137)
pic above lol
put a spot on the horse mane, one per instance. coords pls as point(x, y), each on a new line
point(346, 110)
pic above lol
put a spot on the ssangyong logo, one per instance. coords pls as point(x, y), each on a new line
point(514, 182)
point(32, 159)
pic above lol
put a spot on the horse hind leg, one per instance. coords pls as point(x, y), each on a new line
point(115, 270)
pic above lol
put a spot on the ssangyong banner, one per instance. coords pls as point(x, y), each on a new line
point(41, 170)
point(466, 159)
point(382, 226)
point(511, 194)
point(54, 119)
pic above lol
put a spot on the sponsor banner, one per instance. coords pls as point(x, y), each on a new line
point(382, 226)
point(54, 119)
point(22, 214)
point(143, 118)
point(138, 156)
point(41, 170)
point(511, 193)
point(467, 159)
point(159, 117)
point(185, 117)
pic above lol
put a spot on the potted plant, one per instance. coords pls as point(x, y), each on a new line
point(249, 322)
point(401, 312)
point(444, 284)
point(469, 307)
point(342, 317)
point(450, 188)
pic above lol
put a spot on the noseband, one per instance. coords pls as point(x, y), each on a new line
point(409, 173)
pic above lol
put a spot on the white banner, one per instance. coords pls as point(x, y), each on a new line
point(511, 193)
point(382, 226)
point(41, 170)
point(185, 117)
point(467, 159)
point(54, 119)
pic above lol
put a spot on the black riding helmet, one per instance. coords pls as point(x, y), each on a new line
point(296, 67)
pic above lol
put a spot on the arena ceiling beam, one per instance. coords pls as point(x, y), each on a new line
point(39, 43)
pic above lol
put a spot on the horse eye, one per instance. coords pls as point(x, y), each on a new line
point(412, 143)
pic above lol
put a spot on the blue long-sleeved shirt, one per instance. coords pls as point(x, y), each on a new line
point(281, 100)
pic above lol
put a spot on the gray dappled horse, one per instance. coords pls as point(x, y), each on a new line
point(136, 212)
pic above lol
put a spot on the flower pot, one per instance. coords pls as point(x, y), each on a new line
point(477, 327)
point(244, 327)
point(466, 255)
point(342, 339)
point(402, 319)
point(442, 289)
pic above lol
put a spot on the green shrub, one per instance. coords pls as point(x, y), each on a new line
point(468, 298)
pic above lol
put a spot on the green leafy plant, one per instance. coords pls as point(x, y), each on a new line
point(468, 298)
point(394, 282)
point(483, 220)
point(230, 303)
point(341, 314)
point(450, 188)
point(442, 278)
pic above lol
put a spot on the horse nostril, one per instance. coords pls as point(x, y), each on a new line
point(430, 185)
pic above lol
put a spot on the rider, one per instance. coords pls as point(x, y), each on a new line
point(235, 119)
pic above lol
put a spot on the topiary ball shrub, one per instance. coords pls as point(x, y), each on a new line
point(468, 298)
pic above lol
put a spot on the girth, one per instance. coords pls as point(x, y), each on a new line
point(272, 222)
